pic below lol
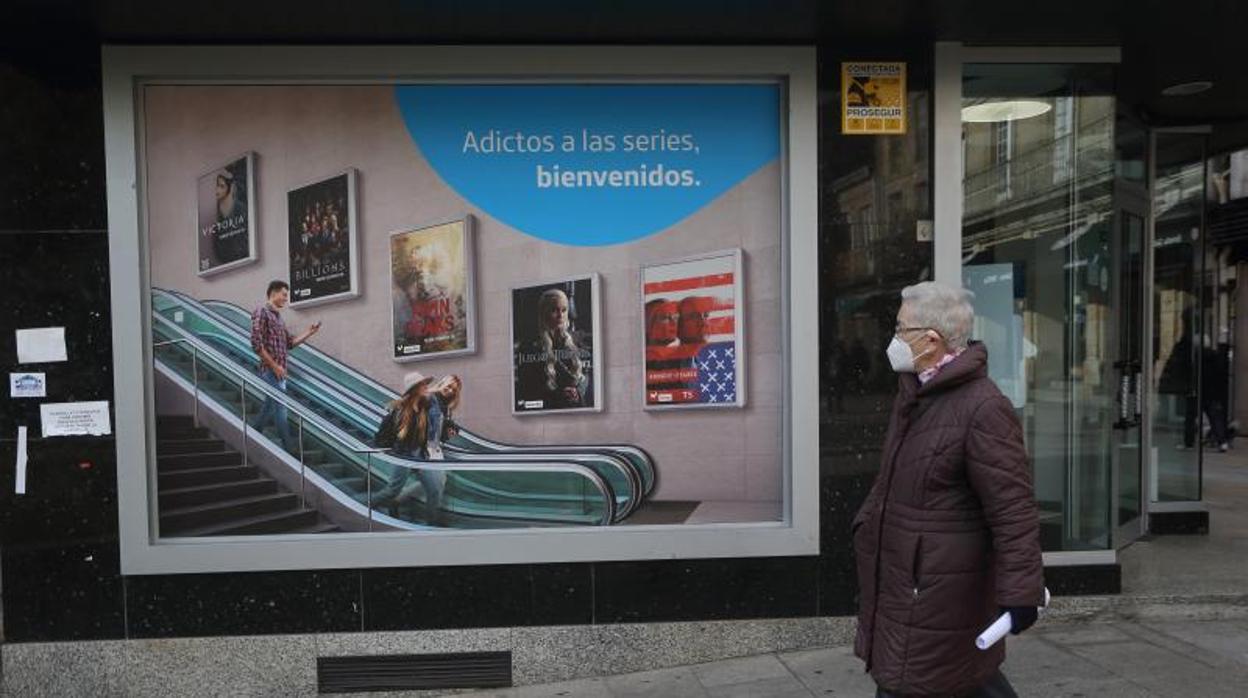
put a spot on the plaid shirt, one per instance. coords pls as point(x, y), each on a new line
point(268, 331)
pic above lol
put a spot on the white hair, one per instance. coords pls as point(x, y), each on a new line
point(941, 307)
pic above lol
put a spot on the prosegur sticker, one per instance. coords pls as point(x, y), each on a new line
point(873, 98)
point(75, 418)
point(28, 385)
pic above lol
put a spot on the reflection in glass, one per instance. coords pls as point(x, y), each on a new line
point(1038, 214)
point(873, 192)
point(1178, 325)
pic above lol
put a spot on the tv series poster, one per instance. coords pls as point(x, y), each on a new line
point(692, 332)
point(431, 291)
point(321, 228)
point(225, 215)
point(555, 347)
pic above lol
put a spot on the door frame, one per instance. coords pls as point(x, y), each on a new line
point(1135, 199)
point(1153, 506)
point(949, 59)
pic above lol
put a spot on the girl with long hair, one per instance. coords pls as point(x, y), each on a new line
point(418, 422)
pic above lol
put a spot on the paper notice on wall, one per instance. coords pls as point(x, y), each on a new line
point(75, 418)
point(20, 488)
point(28, 385)
point(41, 345)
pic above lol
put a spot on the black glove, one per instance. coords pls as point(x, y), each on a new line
point(1021, 617)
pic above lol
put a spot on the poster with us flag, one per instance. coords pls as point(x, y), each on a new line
point(694, 332)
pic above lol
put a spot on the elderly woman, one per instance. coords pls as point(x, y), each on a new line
point(948, 538)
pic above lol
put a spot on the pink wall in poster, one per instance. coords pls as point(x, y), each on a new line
point(303, 134)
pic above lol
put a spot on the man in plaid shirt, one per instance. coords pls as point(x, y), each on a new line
point(272, 342)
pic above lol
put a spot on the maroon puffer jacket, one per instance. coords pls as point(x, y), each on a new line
point(948, 533)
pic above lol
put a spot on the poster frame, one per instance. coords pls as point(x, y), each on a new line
point(470, 286)
point(739, 313)
point(353, 247)
point(129, 70)
point(252, 227)
point(595, 285)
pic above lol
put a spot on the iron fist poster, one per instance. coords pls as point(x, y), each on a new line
point(430, 287)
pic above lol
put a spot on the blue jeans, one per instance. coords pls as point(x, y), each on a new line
point(275, 411)
point(433, 481)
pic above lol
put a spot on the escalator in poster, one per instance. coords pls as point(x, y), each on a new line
point(335, 410)
point(371, 397)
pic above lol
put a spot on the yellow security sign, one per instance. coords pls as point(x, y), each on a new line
point(873, 98)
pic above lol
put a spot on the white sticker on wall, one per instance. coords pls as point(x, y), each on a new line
point(41, 345)
point(28, 385)
point(75, 418)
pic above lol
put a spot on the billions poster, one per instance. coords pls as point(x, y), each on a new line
point(321, 227)
point(692, 314)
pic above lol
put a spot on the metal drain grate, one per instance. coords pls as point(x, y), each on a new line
point(407, 672)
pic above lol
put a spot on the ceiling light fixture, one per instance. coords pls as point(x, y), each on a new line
point(1184, 89)
point(1004, 110)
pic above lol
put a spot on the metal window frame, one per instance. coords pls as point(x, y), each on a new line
point(1152, 465)
point(128, 67)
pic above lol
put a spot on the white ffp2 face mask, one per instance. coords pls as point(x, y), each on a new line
point(900, 356)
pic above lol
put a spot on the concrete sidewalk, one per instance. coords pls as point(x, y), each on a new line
point(1162, 658)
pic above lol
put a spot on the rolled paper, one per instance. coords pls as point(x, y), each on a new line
point(999, 628)
point(1002, 626)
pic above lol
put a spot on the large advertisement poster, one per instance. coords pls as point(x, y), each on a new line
point(321, 226)
point(693, 332)
point(431, 274)
point(556, 354)
point(226, 216)
point(495, 251)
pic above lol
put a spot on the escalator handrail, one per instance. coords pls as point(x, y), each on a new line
point(607, 449)
point(367, 380)
point(497, 466)
point(232, 335)
point(313, 376)
point(630, 501)
point(356, 446)
point(345, 368)
point(306, 372)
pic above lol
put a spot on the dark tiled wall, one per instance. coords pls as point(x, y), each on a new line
point(59, 553)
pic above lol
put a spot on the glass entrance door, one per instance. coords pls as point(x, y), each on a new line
point(1179, 326)
point(1041, 248)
